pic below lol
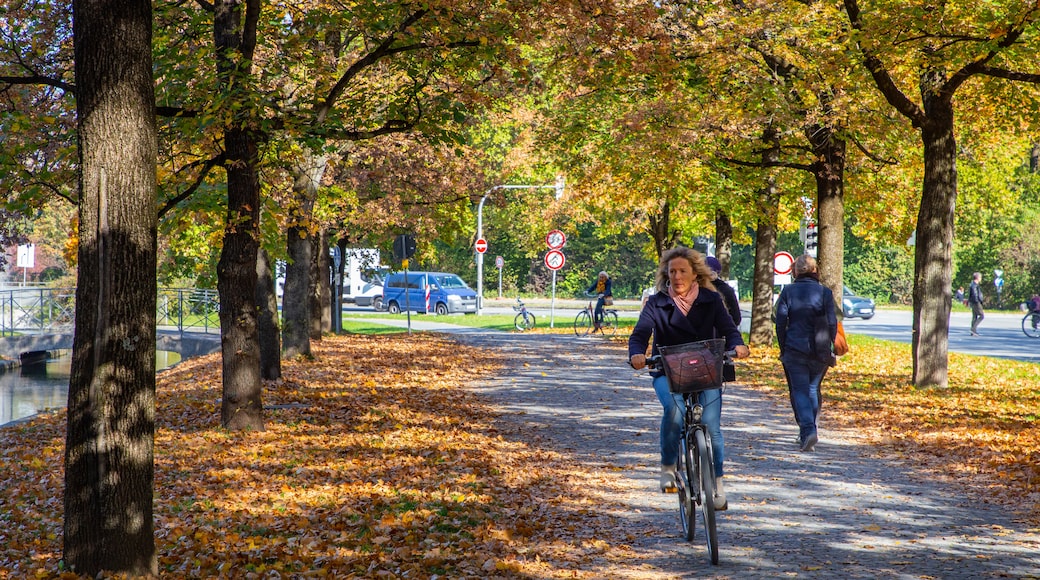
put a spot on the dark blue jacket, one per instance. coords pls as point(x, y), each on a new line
point(661, 318)
point(805, 320)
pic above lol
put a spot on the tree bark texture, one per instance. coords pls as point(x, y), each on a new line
point(829, 171)
point(723, 242)
point(933, 271)
point(267, 319)
point(241, 407)
point(297, 296)
point(109, 472)
point(323, 286)
point(761, 333)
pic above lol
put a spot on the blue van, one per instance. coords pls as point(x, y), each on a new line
point(448, 293)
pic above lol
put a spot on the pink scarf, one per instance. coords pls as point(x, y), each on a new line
point(685, 301)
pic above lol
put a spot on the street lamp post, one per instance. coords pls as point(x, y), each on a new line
point(558, 186)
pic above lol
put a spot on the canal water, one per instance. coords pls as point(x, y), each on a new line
point(25, 392)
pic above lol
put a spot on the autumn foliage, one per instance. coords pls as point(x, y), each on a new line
point(377, 461)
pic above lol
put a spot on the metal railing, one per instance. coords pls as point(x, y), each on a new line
point(52, 310)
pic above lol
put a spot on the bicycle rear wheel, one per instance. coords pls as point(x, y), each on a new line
point(687, 485)
point(522, 322)
point(582, 323)
point(609, 327)
point(707, 492)
point(1029, 325)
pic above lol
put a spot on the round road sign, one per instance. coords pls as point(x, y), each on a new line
point(554, 259)
point(782, 262)
point(499, 262)
point(481, 245)
point(555, 239)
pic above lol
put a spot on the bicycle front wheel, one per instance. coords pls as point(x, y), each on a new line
point(707, 486)
point(1030, 326)
point(687, 485)
point(582, 323)
point(609, 327)
point(522, 322)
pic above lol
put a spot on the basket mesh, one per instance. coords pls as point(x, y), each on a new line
point(694, 366)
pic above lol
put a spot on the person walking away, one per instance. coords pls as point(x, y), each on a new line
point(806, 324)
point(975, 302)
point(601, 288)
point(729, 295)
point(686, 308)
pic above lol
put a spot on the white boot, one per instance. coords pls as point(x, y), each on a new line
point(720, 496)
point(668, 479)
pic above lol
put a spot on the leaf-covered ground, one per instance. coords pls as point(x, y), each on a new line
point(377, 462)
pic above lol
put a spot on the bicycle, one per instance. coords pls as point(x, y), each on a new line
point(691, 369)
point(1029, 324)
point(583, 322)
point(525, 320)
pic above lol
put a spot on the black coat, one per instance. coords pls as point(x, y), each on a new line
point(806, 323)
point(661, 318)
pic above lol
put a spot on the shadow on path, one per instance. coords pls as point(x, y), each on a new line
point(837, 512)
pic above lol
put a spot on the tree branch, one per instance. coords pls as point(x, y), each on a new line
point(207, 166)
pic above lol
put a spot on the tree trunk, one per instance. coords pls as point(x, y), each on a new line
point(321, 296)
point(657, 226)
point(723, 242)
point(933, 253)
point(267, 319)
point(109, 471)
point(829, 171)
point(241, 407)
point(297, 296)
point(765, 247)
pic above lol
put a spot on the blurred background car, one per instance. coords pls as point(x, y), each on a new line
point(853, 306)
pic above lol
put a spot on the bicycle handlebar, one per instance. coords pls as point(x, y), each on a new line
point(654, 362)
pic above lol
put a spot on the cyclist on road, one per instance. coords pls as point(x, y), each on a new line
point(1033, 304)
point(601, 288)
point(686, 308)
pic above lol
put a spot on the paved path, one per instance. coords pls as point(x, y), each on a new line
point(844, 511)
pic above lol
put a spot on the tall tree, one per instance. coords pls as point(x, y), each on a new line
point(947, 45)
point(111, 408)
point(234, 32)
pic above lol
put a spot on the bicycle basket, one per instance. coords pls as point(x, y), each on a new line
point(694, 366)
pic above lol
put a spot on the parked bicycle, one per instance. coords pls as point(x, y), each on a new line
point(524, 320)
point(585, 321)
point(1030, 322)
point(691, 369)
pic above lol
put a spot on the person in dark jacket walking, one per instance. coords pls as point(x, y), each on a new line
point(729, 295)
point(685, 308)
point(806, 324)
point(975, 302)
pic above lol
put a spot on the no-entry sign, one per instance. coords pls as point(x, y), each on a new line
point(782, 263)
point(481, 245)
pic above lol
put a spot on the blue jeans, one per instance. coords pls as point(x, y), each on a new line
point(671, 422)
point(804, 375)
point(598, 313)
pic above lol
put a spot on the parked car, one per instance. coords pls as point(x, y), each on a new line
point(447, 293)
point(853, 306)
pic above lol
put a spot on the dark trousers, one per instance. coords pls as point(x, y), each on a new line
point(976, 316)
point(804, 375)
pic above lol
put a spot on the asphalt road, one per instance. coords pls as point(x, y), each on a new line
point(1001, 333)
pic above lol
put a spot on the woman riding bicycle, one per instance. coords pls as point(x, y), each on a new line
point(685, 309)
point(600, 287)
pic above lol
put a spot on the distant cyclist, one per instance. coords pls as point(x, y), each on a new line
point(1033, 304)
point(601, 288)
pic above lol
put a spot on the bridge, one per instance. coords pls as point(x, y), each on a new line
point(42, 319)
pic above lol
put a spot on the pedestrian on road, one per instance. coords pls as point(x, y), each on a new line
point(729, 295)
point(601, 288)
point(686, 308)
point(975, 302)
point(806, 324)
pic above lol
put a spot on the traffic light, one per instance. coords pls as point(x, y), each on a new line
point(811, 239)
point(404, 246)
